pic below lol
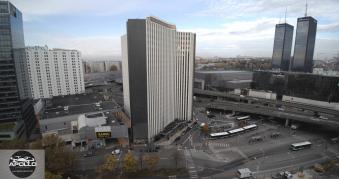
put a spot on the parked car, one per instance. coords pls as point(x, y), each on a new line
point(116, 152)
point(255, 139)
point(294, 126)
point(335, 140)
point(275, 134)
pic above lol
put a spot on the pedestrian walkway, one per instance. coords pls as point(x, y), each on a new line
point(190, 164)
point(215, 144)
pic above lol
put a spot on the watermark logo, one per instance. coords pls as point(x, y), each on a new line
point(22, 164)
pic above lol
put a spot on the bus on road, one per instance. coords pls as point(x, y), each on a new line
point(300, 145)
point(219, 135)
point(243, 118)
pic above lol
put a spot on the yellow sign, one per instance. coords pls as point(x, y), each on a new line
point(103, 135)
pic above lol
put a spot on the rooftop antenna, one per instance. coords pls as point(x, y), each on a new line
point(306, 9)
point(285, 14)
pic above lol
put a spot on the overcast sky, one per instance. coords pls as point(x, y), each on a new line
point(224, 28)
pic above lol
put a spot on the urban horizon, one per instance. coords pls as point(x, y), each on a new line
point(223, 28)
point(162, 111)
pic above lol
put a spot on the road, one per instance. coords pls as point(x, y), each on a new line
point(271, 111)
point(221, 158)
point(235, 97)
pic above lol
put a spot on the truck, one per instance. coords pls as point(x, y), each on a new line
point(244, 173)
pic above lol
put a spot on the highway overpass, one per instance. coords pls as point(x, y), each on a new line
point(273, 112)
point(268, 102)
point(291, 110)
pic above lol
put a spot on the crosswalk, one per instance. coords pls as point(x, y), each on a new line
point(190, 165)
point(214, 144)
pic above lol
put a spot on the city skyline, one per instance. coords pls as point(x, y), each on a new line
point(223, 28)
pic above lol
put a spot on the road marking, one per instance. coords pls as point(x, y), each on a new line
point(190, 164)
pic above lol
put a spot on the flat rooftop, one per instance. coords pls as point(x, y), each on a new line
point(77, 104)
point(219, 71)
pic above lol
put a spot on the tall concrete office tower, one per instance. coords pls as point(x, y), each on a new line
point(304, 44)
point(17, 118)
point(282, 47)
point(158, 68)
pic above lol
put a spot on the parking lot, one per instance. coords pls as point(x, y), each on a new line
point(257, 149)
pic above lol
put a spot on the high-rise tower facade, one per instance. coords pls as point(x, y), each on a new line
point(282, 47)
point(17, 119)
point(158, 69)
point(304, 44)
point(54, 72)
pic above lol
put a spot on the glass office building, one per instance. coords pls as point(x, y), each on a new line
point(17, 118)
point(302, 85)
point(304, 45)
point(282, 47)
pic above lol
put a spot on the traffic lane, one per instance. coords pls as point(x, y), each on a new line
point(277, 153)
point(229, 170)
point(272, 112)
point(94, 161)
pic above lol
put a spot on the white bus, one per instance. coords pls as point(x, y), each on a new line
point(300, 145)
point(219, 135)
point(236, 131)
point(250, 127)
point(243, 118)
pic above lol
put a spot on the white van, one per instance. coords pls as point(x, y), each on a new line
point(244, 173)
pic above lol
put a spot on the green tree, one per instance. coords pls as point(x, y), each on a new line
point(152, 161)
point(129, 164)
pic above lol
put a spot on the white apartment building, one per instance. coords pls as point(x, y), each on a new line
point(157, 69)
point(54, 72)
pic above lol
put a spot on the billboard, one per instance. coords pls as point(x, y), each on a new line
point(104, 135)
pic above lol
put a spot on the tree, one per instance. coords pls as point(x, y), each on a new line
point(177, 158)
point(113, 68)
point(152, 161)
point(109, 165)
point(49, 175)
point(205, 129)
point(130, 164)
point(13, 144)
point(59, 159)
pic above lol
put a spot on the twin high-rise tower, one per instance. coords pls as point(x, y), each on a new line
point(304, 45)
point(282, 46)
point(302, 60)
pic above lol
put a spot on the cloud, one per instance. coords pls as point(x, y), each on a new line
point(253, 38)
point(227, 28)
point(333, 27)
point(231, 9)
point(104, 47)
point(36, 9)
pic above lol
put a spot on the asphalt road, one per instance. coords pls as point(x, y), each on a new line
point(225, 156)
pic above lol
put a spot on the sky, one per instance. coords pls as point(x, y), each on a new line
point(224, 28)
